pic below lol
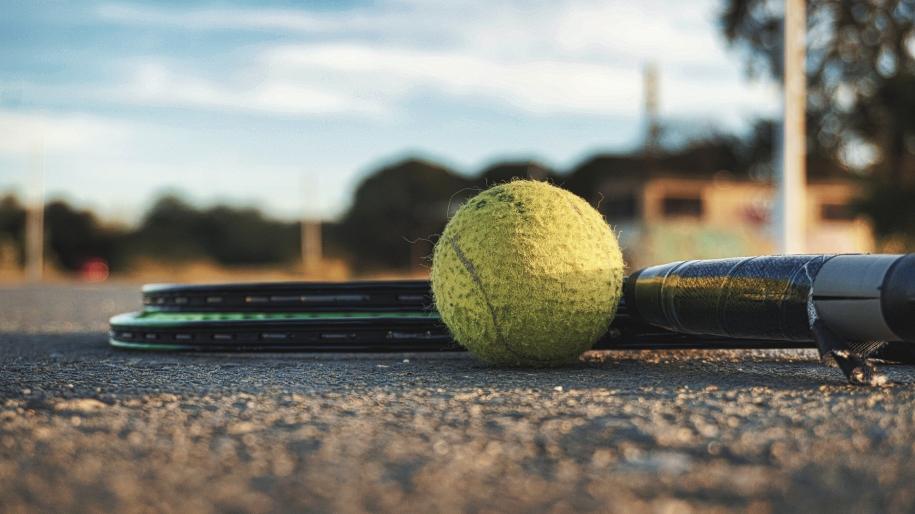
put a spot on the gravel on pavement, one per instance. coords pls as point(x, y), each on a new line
point(88, 428)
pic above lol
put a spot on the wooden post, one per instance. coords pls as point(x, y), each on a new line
point(34, 222)
point(310, 238)
point(311, 246)
point(653, 126)
point(793, 184)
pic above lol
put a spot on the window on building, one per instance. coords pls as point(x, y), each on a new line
point(836, 212)
point(619, 207)
point(682, 207)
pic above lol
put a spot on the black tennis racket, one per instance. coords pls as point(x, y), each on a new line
point(344, 317)
point(852, 308)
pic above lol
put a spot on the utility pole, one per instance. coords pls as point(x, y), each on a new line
point(311, 246)
point(34, 223)
point(311, 240)
point(793, 183)
point(653, 125)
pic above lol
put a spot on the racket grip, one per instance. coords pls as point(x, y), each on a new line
point(859, 297)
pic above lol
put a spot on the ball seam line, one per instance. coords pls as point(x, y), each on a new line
point(475, 277)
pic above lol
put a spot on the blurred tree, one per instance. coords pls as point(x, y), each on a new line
point(701, 155)
point(861, 96)
point(169, 231)
point(397, 211)
point(715, 151)
point(74, 237)
point(173, 230)
point(890, 207)
point(587, 177)
point(12, 224)
point(507, 171)
point(756, 154)
point(244, 236)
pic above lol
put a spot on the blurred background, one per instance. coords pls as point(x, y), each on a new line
point(236, 140)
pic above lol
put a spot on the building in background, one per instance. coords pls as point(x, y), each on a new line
point(664, 216)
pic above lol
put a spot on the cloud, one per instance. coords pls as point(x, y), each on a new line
point(533, 86)
point(155, 83)
point(22, 132)
point(216, 18)
point(392, 73)
point(605, 30)
point(567, 57)
point(648, 29)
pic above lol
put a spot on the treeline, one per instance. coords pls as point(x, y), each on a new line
point(391, 223)
point(172, 230)
point(398, 210)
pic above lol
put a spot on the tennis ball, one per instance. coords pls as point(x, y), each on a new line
point(527, 274)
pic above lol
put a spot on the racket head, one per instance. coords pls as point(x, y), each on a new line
point(358, 296)
point(280, 331)
point(366, 316)
point(358, 332)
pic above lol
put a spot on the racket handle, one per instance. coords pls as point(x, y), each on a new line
point(858, 297)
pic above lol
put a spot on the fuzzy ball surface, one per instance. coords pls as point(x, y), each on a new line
point(527, 274)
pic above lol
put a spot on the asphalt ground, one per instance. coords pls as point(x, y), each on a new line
point(87, 428)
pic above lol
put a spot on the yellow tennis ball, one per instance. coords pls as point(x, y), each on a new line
point(527, 274)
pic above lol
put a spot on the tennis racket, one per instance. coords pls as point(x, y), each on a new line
point(345, 317)
point(852, 307)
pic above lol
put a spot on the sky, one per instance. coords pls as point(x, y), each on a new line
point(288, 105)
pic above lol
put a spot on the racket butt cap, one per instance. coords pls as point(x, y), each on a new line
point(867, 297)
point(898, 299)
